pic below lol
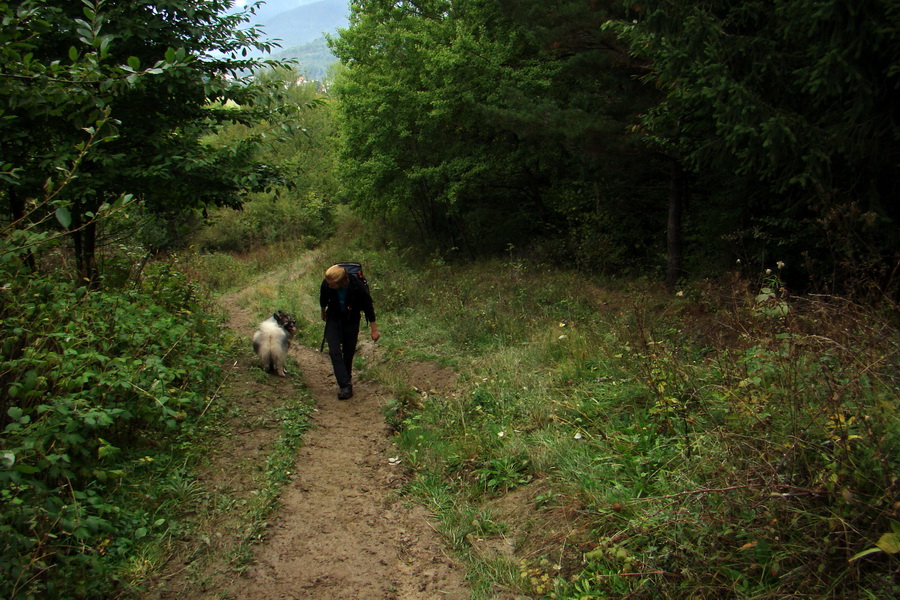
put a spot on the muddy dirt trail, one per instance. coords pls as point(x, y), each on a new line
point(341, 531)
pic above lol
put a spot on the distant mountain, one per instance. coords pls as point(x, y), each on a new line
point(313, 59)
point(300, 22)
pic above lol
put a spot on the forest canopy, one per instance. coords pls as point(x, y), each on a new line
point(616, 133)
point(107, 102)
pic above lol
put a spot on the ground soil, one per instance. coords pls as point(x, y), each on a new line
point(340, 529)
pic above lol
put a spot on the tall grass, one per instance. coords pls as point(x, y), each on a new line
point(730, 441)
point(616, 440)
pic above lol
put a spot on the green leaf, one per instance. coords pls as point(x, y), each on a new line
point(890, 543)
point(105, 447)
point(8, 459)
point(864, 553)
point(64, 216)
point(104, 45)
point(134, 62)
point(15, 413)
point(73, 53)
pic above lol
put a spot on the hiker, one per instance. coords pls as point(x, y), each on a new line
point(343, 298)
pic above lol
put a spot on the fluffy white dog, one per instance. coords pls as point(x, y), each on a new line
point(272, 340)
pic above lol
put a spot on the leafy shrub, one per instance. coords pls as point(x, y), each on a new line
point(267, 219)
point(218, 271)
point(93, 383)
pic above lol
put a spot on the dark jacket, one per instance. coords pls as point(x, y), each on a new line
point(358, 301)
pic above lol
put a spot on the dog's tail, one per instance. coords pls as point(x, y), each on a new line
point(271, 343)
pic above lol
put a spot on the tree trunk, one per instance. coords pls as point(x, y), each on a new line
point(677, 197)
point(84, 239)
point(16, 213)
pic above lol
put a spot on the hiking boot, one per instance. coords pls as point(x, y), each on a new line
point(346, 393)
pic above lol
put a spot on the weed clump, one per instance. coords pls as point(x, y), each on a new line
point(98, 387)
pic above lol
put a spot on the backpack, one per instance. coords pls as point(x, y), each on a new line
point(354, 269)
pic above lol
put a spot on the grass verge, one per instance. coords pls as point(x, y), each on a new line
point(612, 439)
point(617, 440)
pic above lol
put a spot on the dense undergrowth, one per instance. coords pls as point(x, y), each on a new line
point(729, 440)
point(101, 393)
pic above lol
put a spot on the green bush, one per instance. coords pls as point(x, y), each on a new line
point(218, 271)
point(267, 219)
point(95, 384)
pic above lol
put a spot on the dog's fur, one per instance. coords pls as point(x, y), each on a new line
point(272, 340)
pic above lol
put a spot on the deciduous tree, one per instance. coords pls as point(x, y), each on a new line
point(105, 100)
point(490, 122)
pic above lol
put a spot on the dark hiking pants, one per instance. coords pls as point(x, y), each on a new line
point(341, 335)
